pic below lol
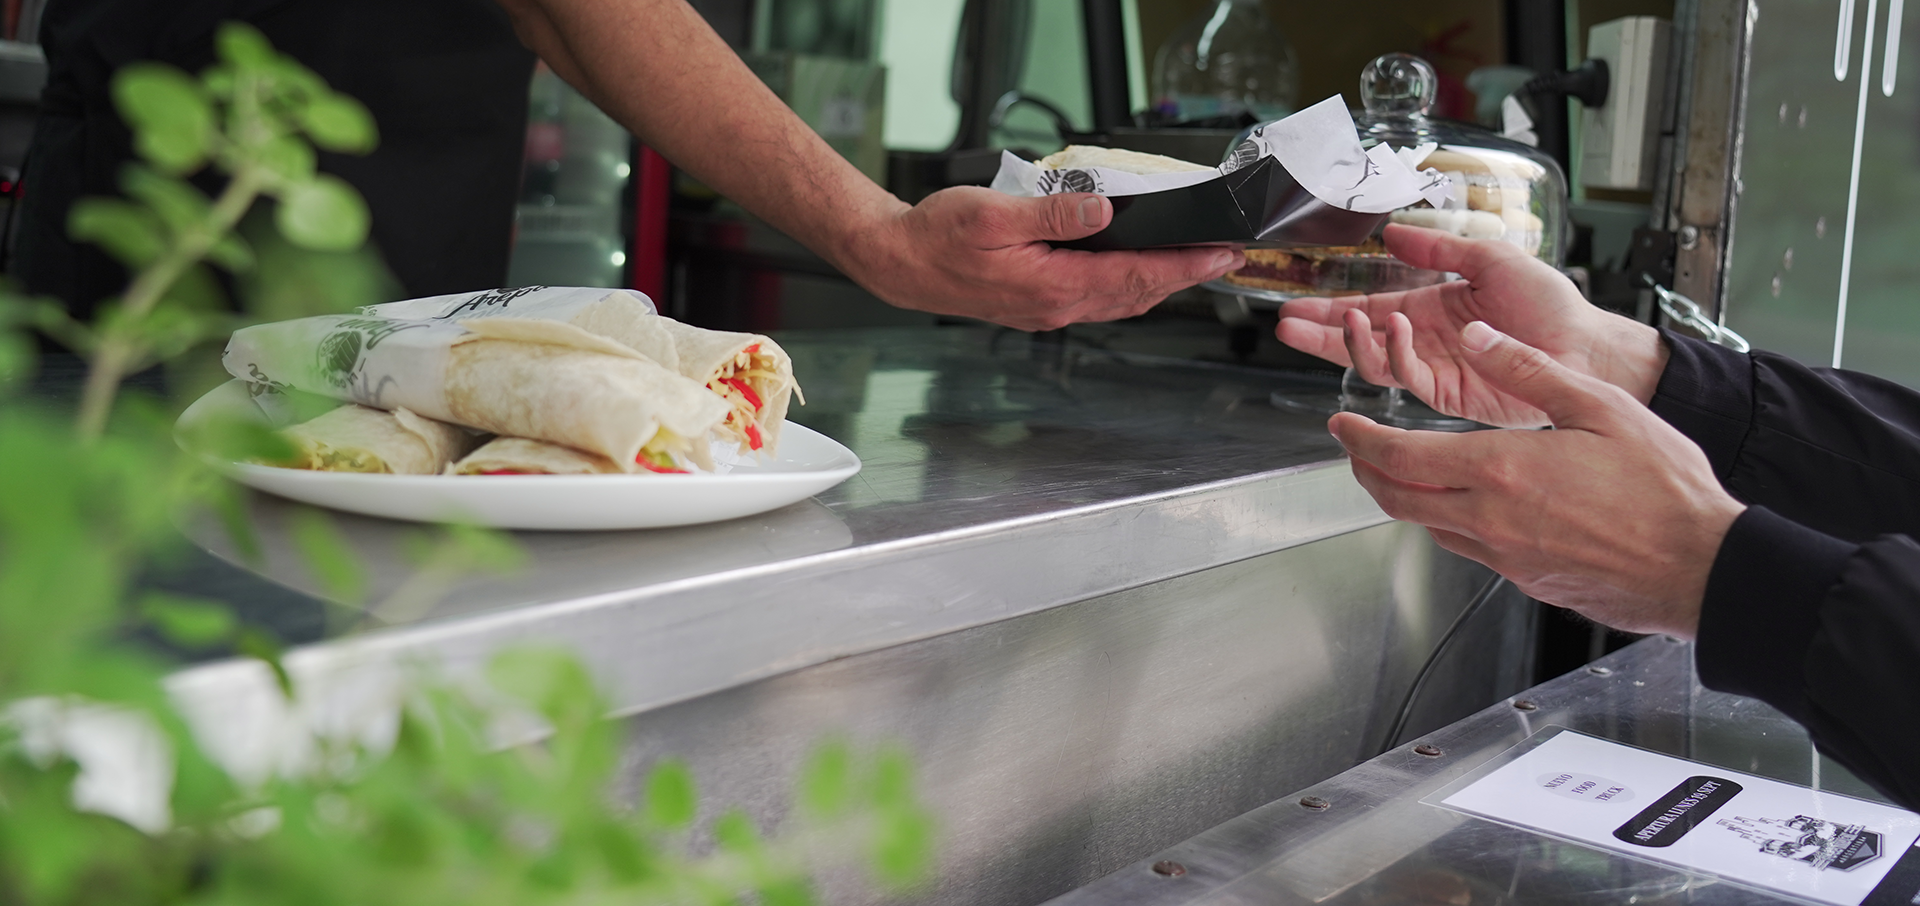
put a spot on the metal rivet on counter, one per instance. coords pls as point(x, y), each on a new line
point(1783, 113)
point(1820, 228)
point(1775, 286)
point(1169, 869)
point(1315, 802)
point(1521, 704)
point(1600, 671)
point(1786, 260)
point(1803, 117)
point(1689, 236)
point(1427, 750)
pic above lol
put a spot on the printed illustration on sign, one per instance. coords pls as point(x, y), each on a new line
point(1815, 841)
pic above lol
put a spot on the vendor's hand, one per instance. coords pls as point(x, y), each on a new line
point(1501, 285)
point(984, 254)
point(1614, 514)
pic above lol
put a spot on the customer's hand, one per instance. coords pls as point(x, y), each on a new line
point(984, 254)
point(1503, 286)
point(1613, 514)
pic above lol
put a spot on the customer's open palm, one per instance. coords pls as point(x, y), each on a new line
point(1410, 338)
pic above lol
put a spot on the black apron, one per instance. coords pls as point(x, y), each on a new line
point(446, 81)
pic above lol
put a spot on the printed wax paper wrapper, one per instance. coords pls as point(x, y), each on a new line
point(570, 304)
point(283, 362)
point(551, 380)
point(1303, 180)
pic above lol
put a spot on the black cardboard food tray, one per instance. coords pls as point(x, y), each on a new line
point(1260, 205)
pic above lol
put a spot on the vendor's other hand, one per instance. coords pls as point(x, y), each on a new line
point(1410, 338)
point(1613, 514)
point(984, 254)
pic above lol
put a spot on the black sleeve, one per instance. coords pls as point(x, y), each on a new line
point(1813, 603)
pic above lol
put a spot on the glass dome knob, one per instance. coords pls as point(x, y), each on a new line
point(1398, 84)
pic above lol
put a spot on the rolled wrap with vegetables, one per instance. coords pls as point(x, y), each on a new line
point(543, 380)
point(355, 438)
point(750, 371)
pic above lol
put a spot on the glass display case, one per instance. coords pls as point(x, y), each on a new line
point(1501, 190)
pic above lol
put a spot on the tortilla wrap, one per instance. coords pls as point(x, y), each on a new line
point(517, 377)
point(361, 439)
point(520, 456)
point(713, 358)
point(710, 357)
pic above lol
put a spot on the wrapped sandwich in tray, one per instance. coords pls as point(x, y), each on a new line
point(356, 438)
point(520, 456)
point(750, 371)
point(544, 380)
point(1139, 163)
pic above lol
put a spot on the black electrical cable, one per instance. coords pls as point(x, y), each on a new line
point(1480, 600)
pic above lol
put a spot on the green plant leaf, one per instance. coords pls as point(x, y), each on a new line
point(51, 319)
point(289, 159)
point(243, 46)
point(328, 557)
point(893, 779)
point(550, 680)
point(194, 622)
point(734, 832)
point(232, 253)
point(786, 892)
point(826, 781)
point(325, 215)
point(127, 231)
point(218, 81)
point(903, 846)
point(171, 117)
point(258, 645)
point(176, 202)
point(672, 799)
point(339, 123)
point(19, 359)
point(237, 439)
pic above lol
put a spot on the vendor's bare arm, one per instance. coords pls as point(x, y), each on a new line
point(658, 68)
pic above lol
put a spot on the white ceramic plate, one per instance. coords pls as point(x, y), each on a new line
point(809, 462)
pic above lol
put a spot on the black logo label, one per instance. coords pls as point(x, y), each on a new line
point(1670, 817)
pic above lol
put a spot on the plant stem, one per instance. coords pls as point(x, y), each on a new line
point(120, 345)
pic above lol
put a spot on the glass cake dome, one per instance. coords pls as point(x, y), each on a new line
point(1501, 189)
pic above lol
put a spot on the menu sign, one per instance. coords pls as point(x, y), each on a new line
point(1749, 830)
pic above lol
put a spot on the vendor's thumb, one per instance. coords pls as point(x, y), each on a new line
point(1570, 399)
point(1058, 218)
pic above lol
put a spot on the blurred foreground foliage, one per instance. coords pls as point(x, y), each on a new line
point(107, 792)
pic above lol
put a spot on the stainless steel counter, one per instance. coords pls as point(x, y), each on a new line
point(1371, 839)
point(1106, 600)
point(1001, 477)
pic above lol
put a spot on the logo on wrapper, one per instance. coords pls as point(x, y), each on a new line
point(1682, 809)
point(493, 298)
point(1054, 182)
point(341, 354)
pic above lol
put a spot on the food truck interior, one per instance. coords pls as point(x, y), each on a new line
point(1109, 589)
